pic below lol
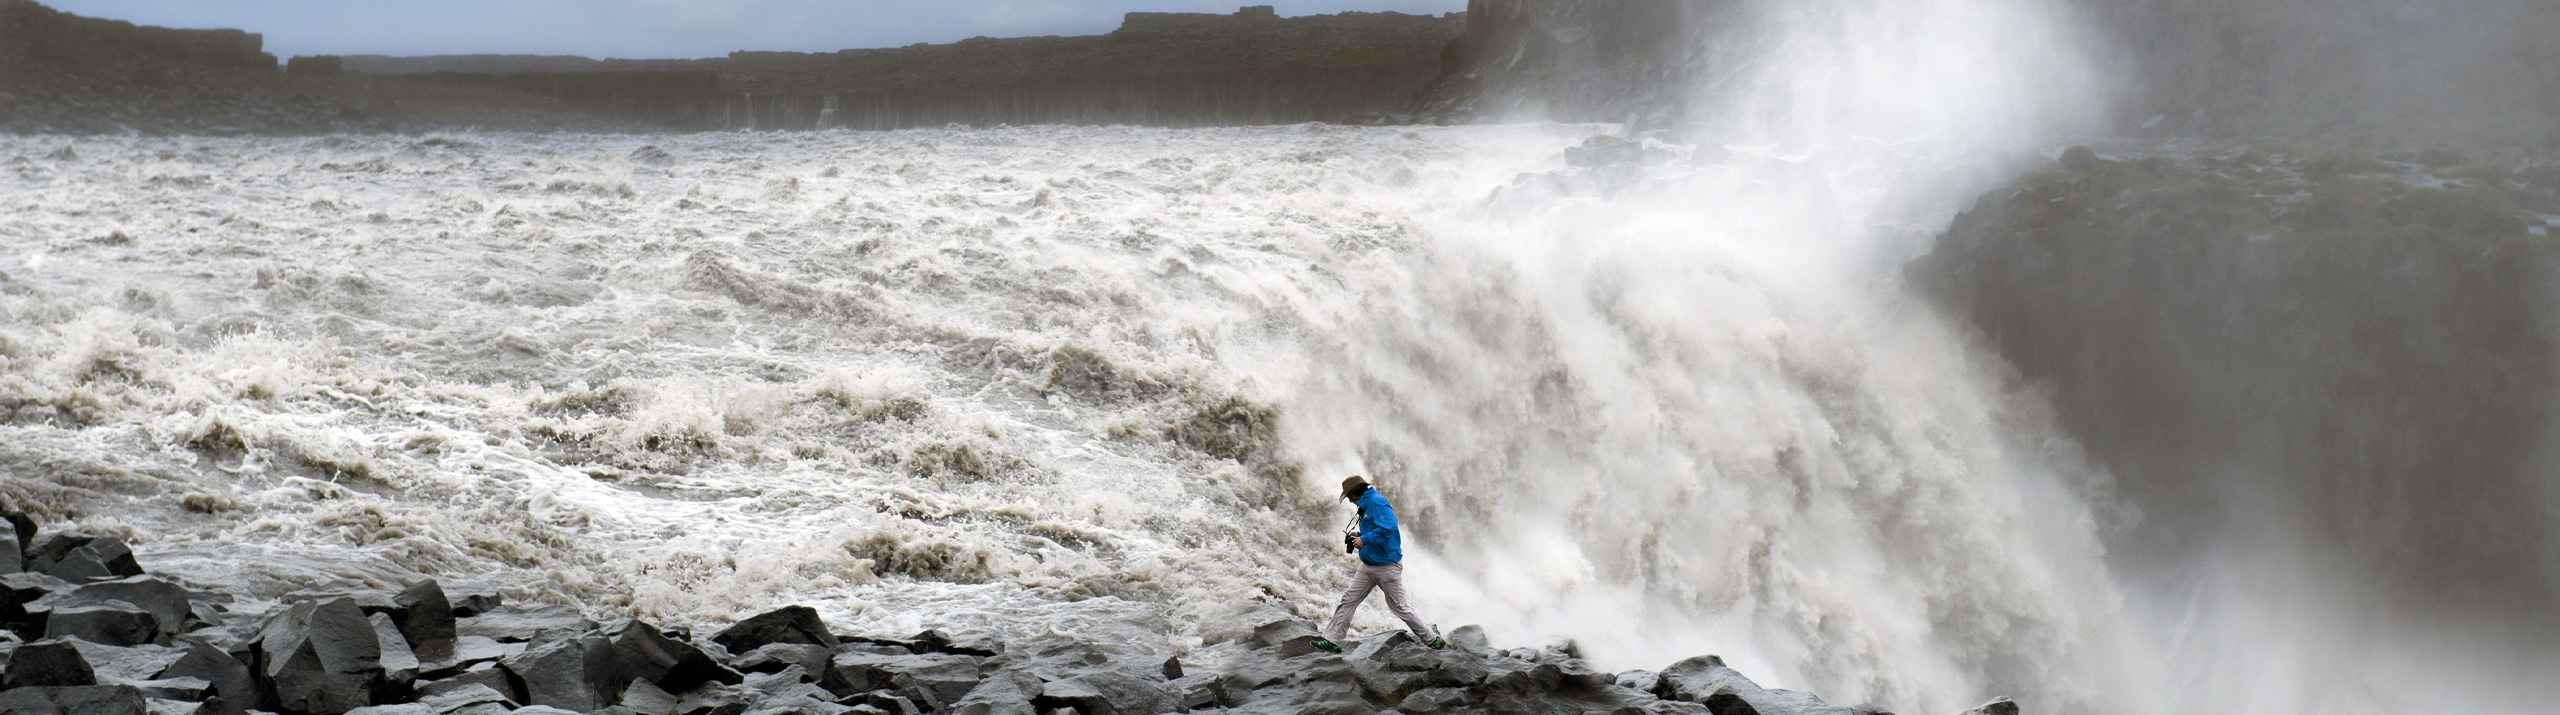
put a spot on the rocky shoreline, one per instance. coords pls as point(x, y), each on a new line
point(90, 632)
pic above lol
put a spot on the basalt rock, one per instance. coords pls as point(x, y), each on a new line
point(321, 657)
point(81, 558)
point(2302, 268)
point(1107, 693)
point(485, 675)
point(647, 698)
point(471, 697)
point(570, 673)
point(936, 641)
point(773, 658)
point(476, 603)
point(109, 623)
point(168, 603)
point(426, 617)
point(1000, 693)
point(935, 679)
point(125, 664)
point(1998, 706)
point(399, 663)
point(526, 626)
point(21, 527)
point(1707, 681)
point(466, 652)
point(791, 624)
point(234, 688)
point(84, 700)
point(329, 656)
point(48, 664)
point(643, 652)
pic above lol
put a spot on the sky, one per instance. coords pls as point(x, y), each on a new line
point(638, 29)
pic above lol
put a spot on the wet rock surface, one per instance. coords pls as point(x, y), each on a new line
point(2359, 329)
point(328, 655)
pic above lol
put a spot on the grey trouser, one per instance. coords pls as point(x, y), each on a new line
point(1388, 578)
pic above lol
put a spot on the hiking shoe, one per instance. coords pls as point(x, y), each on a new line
point(1438, 643)
point(1328, 646)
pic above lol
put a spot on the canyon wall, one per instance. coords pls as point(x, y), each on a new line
point(33, 33)
point(1158, 69)
point(1579, 60)
point(2369, 71)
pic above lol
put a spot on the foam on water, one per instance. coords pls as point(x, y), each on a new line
point(1100, 381)
point(689, 378)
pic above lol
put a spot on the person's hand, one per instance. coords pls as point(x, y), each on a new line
point(1355, 542)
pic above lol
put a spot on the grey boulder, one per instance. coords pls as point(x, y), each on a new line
point(790, 624)
point(111, 623)
point(570, 674)
point(21, 527)
point(1706, 681)
point(425, 616)
point(75, 700)
point(399, 664)
point(235, 691)
point(1001, 693)
point(1107, 692)
point(81, 558)
point(473, 695)
point(484, 675)
point(321, 657)
point(772, 658)
point(647, 654)
point(167, 602)
point(464, 653)
point(933, 680)
point(48, 664)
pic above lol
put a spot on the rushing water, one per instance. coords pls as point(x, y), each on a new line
point(1064, 378)
point(1100, 380)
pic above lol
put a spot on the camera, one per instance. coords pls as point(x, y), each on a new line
point(1350, 544)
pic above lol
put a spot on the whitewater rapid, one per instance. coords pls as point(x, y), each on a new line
point(1099, 381)
point(1093, 380)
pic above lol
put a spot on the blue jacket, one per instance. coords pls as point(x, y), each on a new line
point(1379, 543)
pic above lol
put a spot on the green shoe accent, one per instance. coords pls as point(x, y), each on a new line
point(1438, 643)
point(1328, 646)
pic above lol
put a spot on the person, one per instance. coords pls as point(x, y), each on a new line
point(1381, 567)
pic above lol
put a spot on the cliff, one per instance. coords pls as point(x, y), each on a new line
point(32, 33)
point(2341, 350)
point(83, 75)
point(62, 73)
point(1578, 60)
point(1158, 69)
point(2344, 70)
point(2355, 70)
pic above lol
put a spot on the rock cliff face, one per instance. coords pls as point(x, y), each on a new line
point(32, 33)
point(1159, 69)
point(75, 74)
point(2359, 70)
point(62, 73)
point(1577, 60)
point(2349, 352)
point(2350, 70)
